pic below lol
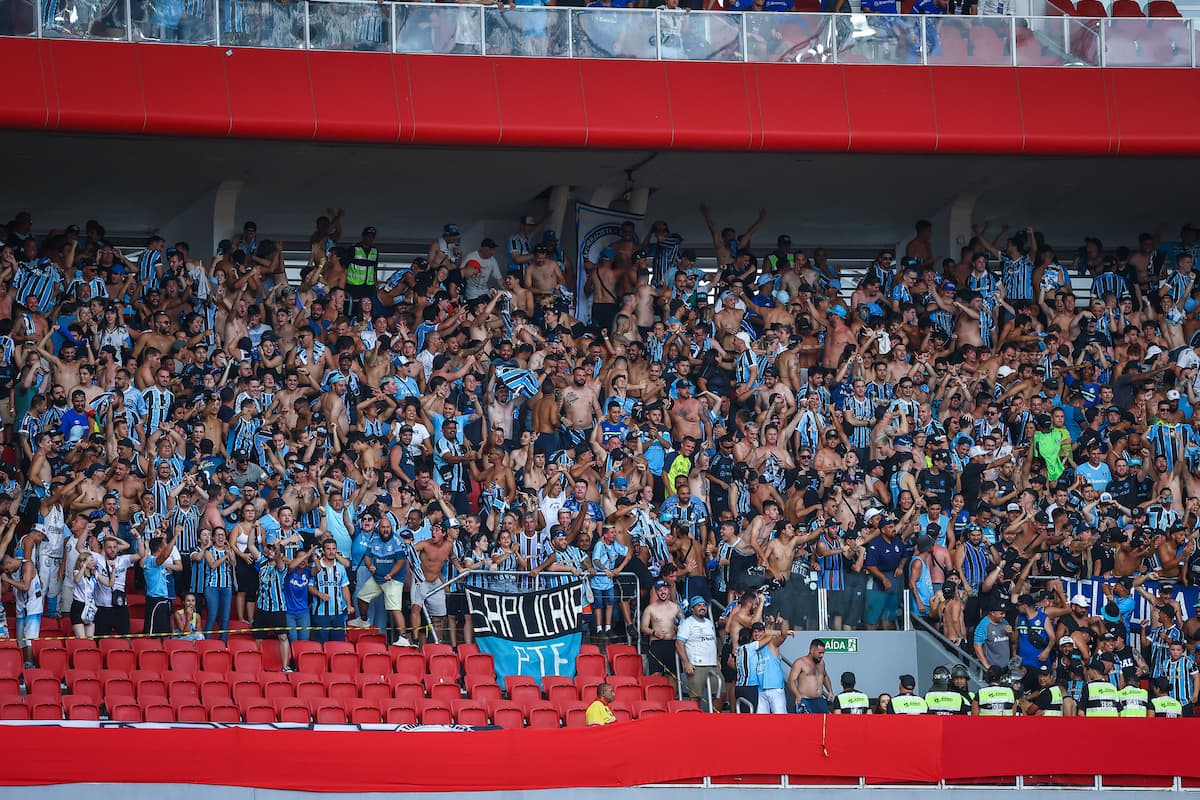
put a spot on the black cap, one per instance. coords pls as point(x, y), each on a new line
point(908, 681)
point(488, 243)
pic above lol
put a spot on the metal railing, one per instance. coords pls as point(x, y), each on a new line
point(608, 33)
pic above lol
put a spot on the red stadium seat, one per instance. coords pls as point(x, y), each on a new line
point(550, 681)
point(590, 666)
point(213, 693)
point(429, 681)
point(216, 659)
point(119, 687)
point(629, 694)
point(444, 665)
point(1126, 8)
point(622, 713)
point(224, 712)
point(339, 687)
point(191, 712)
point(378, 664)
point(308, 689)
point(248, 661)
point(328, 712)
point(464, 651)
point(647, 707)
point(11, 661)
point(362, 712)
point(15, 710)
point(309, 656)
point(398, 712)
point(83, 682)
point(1090, 8)
point(589, 650)
point(1162, 8)
point(10, 687)
point(575, 716)
point(474, 716)
point(678, 706)
point(660, 693)
point(373, 688)
point(445, 692)
point(587, 688)
point(480, 664)
point(523, 693)
point(408, 693)
point(118, 654)
point(562, 694)
point(85, 654)
point(53, 659)
point(486, 692)
point(435, 712)
point(126, 712)
point(292, 710)
point(513, 681)
point(81, 708)
point(628, 665)
point(244, 690)
point(151, 659)
point(406, 661)
point(41, 682)
point(617, 649)
point(149, 687)
point(542, 715)
point(183, 690)
point(271, 660)
point(45, 708)
point(508, 715)
point(428, 651)
point(258, 713)
point(158, 712)
point(185, 661)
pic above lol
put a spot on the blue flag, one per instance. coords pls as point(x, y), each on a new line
point(535, 633)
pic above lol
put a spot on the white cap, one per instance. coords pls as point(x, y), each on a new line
point(744, 337)
point(1065, 640)
point(976, 451)
point(871, 514)
point(1173, 394)
point(1080, 600)
point(1005, 371)
point(1012, 507)
point(1153, 350)
point(1106, 497)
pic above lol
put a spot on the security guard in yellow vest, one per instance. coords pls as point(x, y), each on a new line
point(905, 702)
point(360, 272)
point(997, 698)
point(1135, 700)
point(1162, 704)
point(1047, 701)
point(1100, 698)
point(943, 701)
point(850, 700)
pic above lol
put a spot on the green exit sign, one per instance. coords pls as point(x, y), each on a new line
point(841, 644)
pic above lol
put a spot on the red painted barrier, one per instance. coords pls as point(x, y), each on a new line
point(663, 748)
point(467, 101)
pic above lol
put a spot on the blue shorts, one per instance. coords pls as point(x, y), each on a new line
point(28, 629)
point(881, 606)
point(604, 598)
point(812, 705)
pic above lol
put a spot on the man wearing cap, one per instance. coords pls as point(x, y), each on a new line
point(850, 700)
point(696, 644)
point(1162, 704)
point(906, 701)
point(1099, 698)
point(520, 247)
point(885, 564)
point(1047, 700)
point(660, 622)
point(997, 698)
point(993, 639)
point(481, 271)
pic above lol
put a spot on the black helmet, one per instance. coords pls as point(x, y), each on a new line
point(959, 671)
point(941, 677)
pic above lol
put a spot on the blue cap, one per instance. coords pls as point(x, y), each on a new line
point(904, 441)
point(696, 600)
point(838, 310)
point(450, 229)
point(549, 236)
point(621, 482)
point(606, 254)
point(682, 382)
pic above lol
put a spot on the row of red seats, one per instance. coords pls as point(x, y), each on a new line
point(180, 688)
point(365, 657)
point(1120, 8)
point(328, 711)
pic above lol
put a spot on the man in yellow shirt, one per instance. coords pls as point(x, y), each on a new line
point(600, 711)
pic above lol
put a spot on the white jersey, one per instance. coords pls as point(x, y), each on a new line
point(32, 602)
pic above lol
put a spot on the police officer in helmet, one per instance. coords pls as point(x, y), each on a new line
point(941, 699)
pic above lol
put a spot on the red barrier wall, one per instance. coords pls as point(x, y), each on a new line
point(669, 747)
point(106, 87)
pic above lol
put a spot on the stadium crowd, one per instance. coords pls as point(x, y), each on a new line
point(772, 441)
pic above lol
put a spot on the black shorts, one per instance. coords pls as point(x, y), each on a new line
point(265, 621)
point(247, 579)
point(77, 612)
point(456, 605)
point(158, 616)
point(662, 657)
point(626, 586)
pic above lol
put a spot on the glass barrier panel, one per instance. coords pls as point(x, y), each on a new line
point(1083, 41)
point(614, 33)
point(21, 19)
point(793, 38)
point(185, 21)
point(982, 41)
point(350, 26)
point(527, 31)
point(715, 36)
point(261, 23)
point(881, 39)
point(78, 19)
point(1045, 42)
point(438, 29)
point(1153, 42)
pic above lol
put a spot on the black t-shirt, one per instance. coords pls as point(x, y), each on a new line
point(722, 468)
point(972, 477)
point(938, 485)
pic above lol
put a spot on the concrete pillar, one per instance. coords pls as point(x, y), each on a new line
point(224, 210)
point(560, 198)
point(639, 200)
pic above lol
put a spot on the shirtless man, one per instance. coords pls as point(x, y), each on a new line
point(660, 622)
point(127, 486)
point(522, 298)
point(838, 335)
point(726, 241)
point(967, 326)
point(90, 489)
point(159, 337)
point(646, 295)
point(579, 408)
point(432, 554)
point(543, 275)
point(605, 285)
point(921, 247)
point(809, 681)
point(333, 406)
point(686, 414)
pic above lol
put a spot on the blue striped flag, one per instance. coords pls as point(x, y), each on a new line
point(519, 381)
